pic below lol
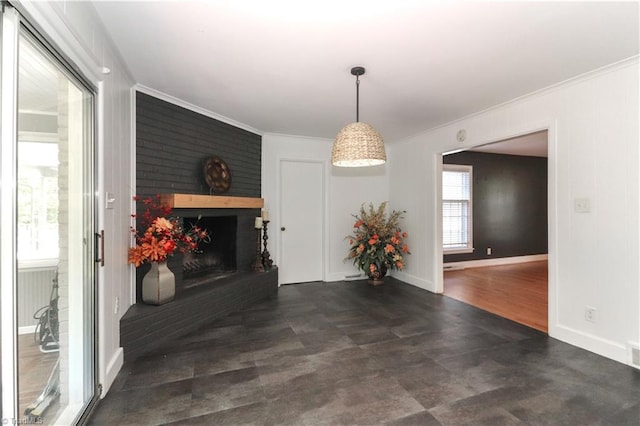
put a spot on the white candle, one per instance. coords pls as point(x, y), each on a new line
point(258, 223)
point(265, 215)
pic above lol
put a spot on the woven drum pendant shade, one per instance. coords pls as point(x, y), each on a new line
point(358, 145)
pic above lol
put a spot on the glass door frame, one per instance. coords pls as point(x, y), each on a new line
point(12, 25)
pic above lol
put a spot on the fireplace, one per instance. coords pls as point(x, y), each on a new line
point(231, 250)
point(218, 281)
point(171, 144)
point(216, 259)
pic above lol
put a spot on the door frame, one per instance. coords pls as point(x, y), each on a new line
point(552, 213)
point(324, 212)
point(10, 28)
point(16, 19)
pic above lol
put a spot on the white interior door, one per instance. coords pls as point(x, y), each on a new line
point(301, 221)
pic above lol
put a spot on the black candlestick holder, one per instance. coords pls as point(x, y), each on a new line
point(257, 264)
point(266, 257)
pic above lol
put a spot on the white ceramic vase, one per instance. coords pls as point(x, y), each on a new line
point(158, 285)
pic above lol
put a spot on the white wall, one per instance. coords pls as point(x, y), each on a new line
point(594, 153)
point(347, 189)
point(78, 33)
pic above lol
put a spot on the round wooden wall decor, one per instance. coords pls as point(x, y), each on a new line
point(217, 174)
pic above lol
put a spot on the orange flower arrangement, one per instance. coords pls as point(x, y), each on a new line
point(162, 234)
point(377, 243)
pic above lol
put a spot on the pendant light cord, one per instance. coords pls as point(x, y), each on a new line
point(357, 98)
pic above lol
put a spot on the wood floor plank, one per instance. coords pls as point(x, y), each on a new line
point(34, 369)
point(518, 292)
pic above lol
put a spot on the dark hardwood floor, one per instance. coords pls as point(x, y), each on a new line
point(347, 353)
point(518, 292)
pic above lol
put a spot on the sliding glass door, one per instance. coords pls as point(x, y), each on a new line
point(48, 232)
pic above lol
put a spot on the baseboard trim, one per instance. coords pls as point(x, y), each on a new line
point(415, 281)
point(27, 329)
point(494, 262)
point(342, 276)
point(113, 368)
point(634, 354)
point(606, 348)
point(402, 276)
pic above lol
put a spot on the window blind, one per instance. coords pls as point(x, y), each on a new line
point(456, 207)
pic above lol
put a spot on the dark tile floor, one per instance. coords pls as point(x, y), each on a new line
point(347, 353)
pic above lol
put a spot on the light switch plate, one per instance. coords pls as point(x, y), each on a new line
point(582, 205)
point(109, 200)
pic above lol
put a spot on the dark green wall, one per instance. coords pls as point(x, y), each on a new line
point(509, 205)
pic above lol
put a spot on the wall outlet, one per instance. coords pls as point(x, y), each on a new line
point(590, 313)
point(488, 251)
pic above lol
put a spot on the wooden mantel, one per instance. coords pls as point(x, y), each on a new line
point(196, 201)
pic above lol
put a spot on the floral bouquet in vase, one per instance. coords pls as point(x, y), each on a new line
point(377, 243)
point(162, 234)
point(159, 237)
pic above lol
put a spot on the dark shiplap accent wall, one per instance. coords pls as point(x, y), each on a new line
point(509, 205)
point(171, 144)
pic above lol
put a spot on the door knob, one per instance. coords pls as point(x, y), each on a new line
point(283, 228)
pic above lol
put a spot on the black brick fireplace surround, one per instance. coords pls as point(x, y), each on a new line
point(171, 144)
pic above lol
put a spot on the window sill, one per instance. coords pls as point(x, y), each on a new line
point(457, 250)
point(37, 264)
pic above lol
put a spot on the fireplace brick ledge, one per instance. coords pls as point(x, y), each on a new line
point(195, 201)
point(144, 328)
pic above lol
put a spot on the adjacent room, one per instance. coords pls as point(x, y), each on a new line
point(495, 228)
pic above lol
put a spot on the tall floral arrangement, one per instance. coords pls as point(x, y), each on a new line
point(161, 234)
point(377, 243)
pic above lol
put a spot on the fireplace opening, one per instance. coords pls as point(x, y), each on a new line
point(214, 260)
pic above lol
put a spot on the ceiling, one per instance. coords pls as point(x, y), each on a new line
point(531, 145)
point(283, 66)
point(38, 91)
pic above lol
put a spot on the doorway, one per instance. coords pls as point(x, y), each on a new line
point(48, 330)
point(505, 269)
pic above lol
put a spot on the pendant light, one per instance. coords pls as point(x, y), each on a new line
point(358, 144)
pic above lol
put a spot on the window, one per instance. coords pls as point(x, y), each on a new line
point(37, 201)
point(457, 235)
